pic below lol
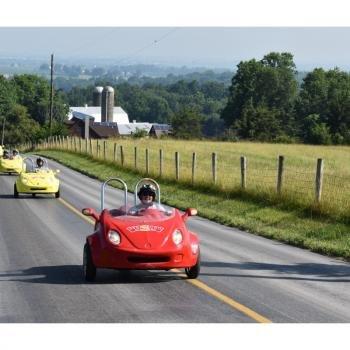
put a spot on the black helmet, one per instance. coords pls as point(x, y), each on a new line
point(147, 190)
point(39, 162)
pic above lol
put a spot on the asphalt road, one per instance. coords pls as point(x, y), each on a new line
point(244, 278)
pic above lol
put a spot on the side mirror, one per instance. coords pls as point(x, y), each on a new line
point(90, 212)
point(191, 211)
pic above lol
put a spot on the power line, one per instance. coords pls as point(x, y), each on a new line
point(154, 42)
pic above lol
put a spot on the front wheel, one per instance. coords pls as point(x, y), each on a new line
point(57, 194)
point(193, 272)
point(89, 268)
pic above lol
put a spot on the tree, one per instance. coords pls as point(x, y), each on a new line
point(327, 95)
point(316, 132)
point(139, 133)
point(213, 127)
point(20, 127)
point(260, 88)
point(33, 92)
point(8, 96)
point(187, 124)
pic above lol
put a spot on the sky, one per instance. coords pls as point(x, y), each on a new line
point(220, 47)
point(215, 34)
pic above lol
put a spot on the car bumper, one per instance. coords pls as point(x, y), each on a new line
point(36, 189)
point(115, 258)
point(10, 170)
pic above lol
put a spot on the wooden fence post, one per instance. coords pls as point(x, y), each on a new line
point(319, 179)
point(90, 141)
point(147, 161)
point(135, 157)
point(86, 146)
point(177, 166)
point(280, 174)
point(243, 172)
point(122, 155)
point(213, 166)
point(194, 161)
point(115, 152)
point(104, 149)
point(97, 149)
point(79, 144)
point(75, 144)
point(160, 163)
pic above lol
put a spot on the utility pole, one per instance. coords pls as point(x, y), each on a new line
point(3, 132)
point(51, 95)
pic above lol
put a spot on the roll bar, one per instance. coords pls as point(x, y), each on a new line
point(147, 180)
point(125, 192)
point(24, 162)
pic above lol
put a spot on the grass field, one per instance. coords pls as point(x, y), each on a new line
point(292, 224)
point(261, 179)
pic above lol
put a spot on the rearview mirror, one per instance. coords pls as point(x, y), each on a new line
point(90, 212)
point(191, 211)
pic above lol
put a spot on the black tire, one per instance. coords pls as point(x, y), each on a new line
point(89, 269)
point(193, 272)
point(33, 194)
point(57, 194)
point(15, 192)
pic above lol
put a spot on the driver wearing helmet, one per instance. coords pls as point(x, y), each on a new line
point(147, 196)
point(6, 154)
point(39, 163)
point(15, 153)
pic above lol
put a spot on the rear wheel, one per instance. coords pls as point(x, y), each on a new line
point(15, 192)
point(193, 272)
point(57, 194)
point(89, 268)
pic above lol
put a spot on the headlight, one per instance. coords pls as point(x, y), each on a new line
point(177, 236)
point(114, 237)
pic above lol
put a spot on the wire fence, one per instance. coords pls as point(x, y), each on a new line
point(315, 184)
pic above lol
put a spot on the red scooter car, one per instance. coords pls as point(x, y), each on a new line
point(150, 239)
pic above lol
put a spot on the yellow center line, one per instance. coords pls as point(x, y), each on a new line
point(76, 211)
point(195, 282)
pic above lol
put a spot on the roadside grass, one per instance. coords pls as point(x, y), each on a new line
point(287, 221)
point(298, 177)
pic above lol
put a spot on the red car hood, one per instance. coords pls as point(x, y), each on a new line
point(146, 232)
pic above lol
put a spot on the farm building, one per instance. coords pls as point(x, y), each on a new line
point(105, 120)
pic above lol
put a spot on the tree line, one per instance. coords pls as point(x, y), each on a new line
point(24, 108)
point(267, 100)
point(265, 103)
point(173, 103)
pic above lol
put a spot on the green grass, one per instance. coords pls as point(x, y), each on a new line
point(268, 216)
point(299, 173)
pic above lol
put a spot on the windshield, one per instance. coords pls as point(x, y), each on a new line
point(156, 211)
point(32, 167)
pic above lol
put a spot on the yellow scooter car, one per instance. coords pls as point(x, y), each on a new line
point(11, 163)
point(37, 180)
